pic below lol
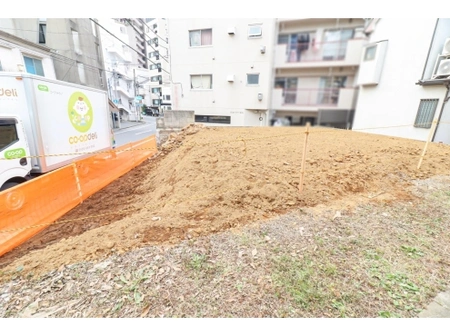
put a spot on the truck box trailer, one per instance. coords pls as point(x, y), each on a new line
point(46, 124)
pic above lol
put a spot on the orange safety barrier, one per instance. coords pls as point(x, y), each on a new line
point(30, 207)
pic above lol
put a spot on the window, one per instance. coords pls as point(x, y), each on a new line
point(33, 66)
point(155, 78)
point(166, 97)
point(370, 53)
point(81, 73)
point(283, 39)
point(156, 90)
point(201, 82)
point(156, 102)
point(252, 79)
point(334, 45)
point(255, 30)
point(289, 86)
point(425, 114)
point(101, 77)
point(97, 49)
point(42, 32)
point(1, 68)
point(200, 37)
point(94, 28)
point(153, 54)
point(76, 41)
point(213, 119)
point(329, 89)
point(155, 66)
point(8, 133)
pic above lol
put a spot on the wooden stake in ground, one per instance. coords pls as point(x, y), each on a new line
point(300, 186)
point(433, 128)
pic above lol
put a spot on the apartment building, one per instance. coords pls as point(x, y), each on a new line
point(136, 30)
point(404, 79)
point(159, 64)
point(222, 69)
point(20, 55)
point(315, 69)
point(74, 43)
point(118, 66)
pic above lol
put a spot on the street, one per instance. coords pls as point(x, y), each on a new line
point(136, 132)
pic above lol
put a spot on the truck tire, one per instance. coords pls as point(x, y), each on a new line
point(8, 185)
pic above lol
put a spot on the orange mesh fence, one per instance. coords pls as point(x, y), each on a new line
point(30, 207)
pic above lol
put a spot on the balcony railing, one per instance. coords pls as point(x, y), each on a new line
point(308, 97)
point(316, 51)
point(339, 98)
point(346, 52)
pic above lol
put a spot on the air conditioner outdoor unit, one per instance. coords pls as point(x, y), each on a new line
point(443, 69)
point(446, 48)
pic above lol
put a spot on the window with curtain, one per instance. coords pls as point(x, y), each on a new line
point(34, 66)
point(201, 82)
point(200, 37)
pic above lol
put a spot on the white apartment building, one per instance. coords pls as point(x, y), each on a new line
point(222, 69)
point(404, 79)
point(136, 30)
point(159, 64)
point(118, 66)
point(20, 55)
point(315, 68)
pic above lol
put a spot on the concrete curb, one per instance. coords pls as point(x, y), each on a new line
point(439, 307)
point(129, 126)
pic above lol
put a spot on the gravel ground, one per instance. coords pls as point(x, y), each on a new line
point(378, 259)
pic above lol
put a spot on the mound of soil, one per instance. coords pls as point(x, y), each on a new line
point(206, 180)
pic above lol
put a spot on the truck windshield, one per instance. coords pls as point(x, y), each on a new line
point(8, 134)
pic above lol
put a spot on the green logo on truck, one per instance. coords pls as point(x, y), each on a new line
point(42, 87)
point(80, 112)
point(16, 153)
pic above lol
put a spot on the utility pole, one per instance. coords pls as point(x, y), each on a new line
point(138, 115)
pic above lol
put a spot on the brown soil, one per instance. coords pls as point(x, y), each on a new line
point(219, 178)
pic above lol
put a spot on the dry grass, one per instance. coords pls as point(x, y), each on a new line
point(378, 260)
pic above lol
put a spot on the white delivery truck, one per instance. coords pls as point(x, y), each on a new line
point(42, 120)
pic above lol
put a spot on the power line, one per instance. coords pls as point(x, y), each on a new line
point(125, 43)
point(47, 32)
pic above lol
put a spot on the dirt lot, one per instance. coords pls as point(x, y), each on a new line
point(213, 179)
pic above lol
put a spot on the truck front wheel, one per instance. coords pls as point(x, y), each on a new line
point(8, 185)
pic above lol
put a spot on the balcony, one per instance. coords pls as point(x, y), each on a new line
point(314, 99)
point(319, 54)
point(119, 53)
point(139, 38)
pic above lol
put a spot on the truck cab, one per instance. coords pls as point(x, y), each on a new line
point(14, 165)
